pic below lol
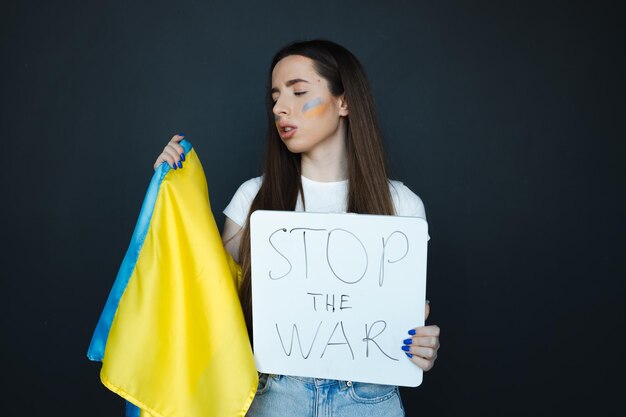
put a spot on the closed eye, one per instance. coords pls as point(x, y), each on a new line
point(300, 93)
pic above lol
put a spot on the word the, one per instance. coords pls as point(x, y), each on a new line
point(330, 304)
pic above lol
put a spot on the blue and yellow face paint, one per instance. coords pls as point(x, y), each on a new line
point(315, 107)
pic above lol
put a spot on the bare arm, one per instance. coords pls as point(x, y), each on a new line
point(231, 238)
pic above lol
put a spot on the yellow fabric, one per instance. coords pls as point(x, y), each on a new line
point(178, 345)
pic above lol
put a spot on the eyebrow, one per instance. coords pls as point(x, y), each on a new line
point(289, 84)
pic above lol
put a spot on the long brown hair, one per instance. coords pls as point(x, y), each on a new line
point(368, 187)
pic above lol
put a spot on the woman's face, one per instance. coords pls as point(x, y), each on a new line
point(306, 114)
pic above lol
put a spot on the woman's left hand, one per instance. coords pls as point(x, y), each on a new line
point(422, 346)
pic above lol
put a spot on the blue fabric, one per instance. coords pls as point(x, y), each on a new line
point(101, 334)
point(132, 410)
point(294, 396)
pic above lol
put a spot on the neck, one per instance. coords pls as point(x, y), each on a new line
point(328, 161)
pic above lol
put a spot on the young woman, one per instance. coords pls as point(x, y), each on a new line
point(323, 154)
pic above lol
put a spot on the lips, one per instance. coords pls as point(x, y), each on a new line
point(286, 130)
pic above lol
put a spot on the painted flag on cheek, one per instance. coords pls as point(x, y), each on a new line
point(172, 337)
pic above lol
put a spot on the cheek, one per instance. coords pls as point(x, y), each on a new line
point(314, 108)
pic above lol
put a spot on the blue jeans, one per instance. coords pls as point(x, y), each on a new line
point(295, 396)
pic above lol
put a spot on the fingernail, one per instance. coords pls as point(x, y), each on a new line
point(181, 135)
point(180, 164)
point(427, 301)
point(174, 166)
point(182, 156)
point(406, 348)
point(412, 332)
point(410, 355)
point(408, 341)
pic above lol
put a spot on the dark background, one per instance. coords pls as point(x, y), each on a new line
point(506, 118)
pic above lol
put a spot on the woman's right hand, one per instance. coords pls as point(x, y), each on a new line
point(173, 153)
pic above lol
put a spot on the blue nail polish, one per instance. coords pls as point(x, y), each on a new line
point(405, 348)
point(182, 156)
point(174, 166)
point(180, 164)
point(410, 355)
point(412, 332)
point(180, 134)
point(408, 341)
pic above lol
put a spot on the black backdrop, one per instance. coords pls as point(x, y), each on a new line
point(505, 117)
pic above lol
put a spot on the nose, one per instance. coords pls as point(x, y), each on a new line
point(281, 108)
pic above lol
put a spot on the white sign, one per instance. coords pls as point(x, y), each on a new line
point(334, 295)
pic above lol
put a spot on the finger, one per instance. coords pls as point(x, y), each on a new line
point(164, 157)
point(177, 151)
point(426, 341)
point(169, 150)
point(177, 138)
point(427, 310)
point(425, 364)
point(176, 147)
point(173, 153)
point(177, 158)
point(431, 330)
point(423, 352)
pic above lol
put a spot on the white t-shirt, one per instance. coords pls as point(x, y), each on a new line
point(323, 197)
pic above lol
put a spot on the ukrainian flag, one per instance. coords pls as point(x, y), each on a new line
point(172, 338)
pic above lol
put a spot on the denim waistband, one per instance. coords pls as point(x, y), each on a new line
point(318, 382)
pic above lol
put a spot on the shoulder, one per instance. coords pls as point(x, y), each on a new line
point(406, 202)
point(239, 206)
point(250, 188)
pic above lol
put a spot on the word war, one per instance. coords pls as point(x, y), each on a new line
point(338, 340)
